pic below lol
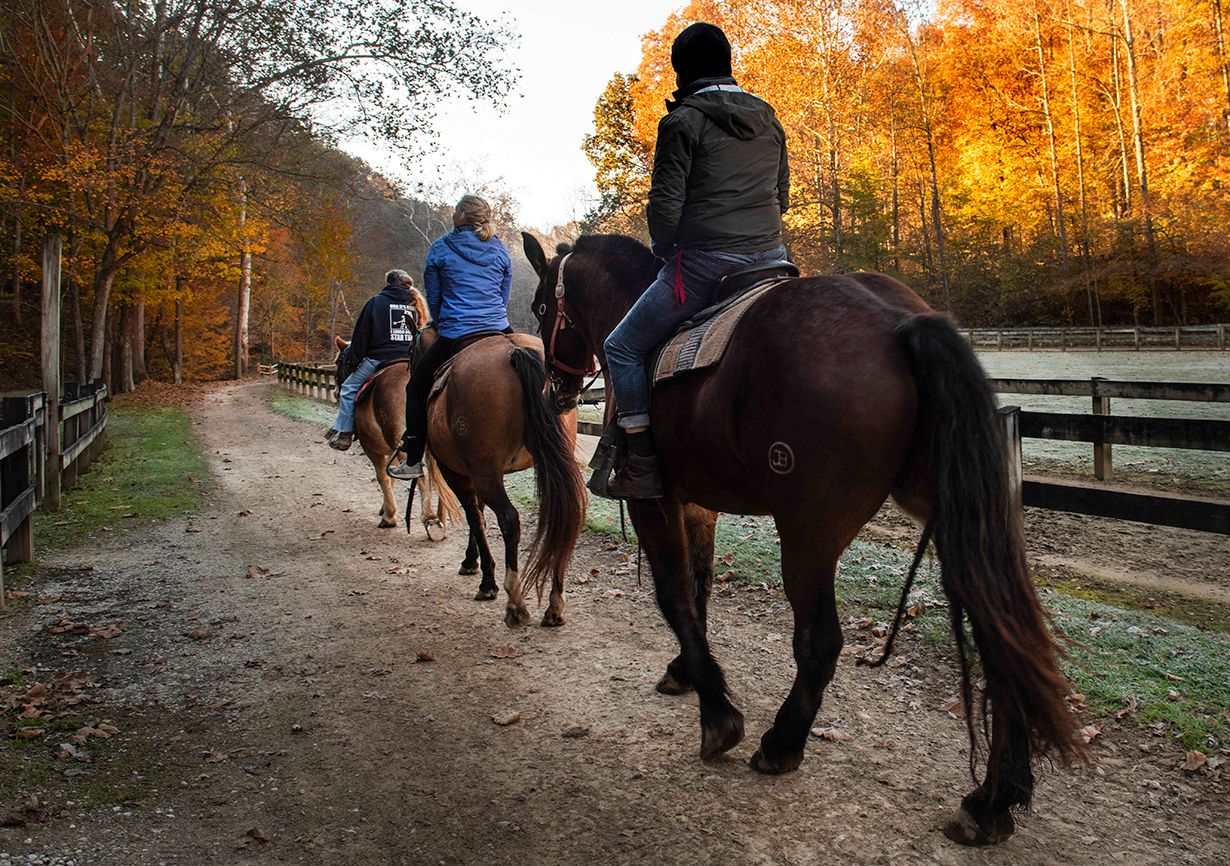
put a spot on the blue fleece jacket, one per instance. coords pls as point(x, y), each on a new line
point(468, 282)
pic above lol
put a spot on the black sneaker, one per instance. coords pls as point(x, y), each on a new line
point(638, 478)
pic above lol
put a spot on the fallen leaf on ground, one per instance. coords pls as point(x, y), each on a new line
point(18, 593)
point(955, 708)
point(200, 634)
point(575, 732)
point(213, 757)
point(833, 735)
point(505, 651)
point(506, 719)
point(1194, 761)
point(257, 836)
point(217, 705)
point(30, 733)
point(424, 656)
point(1089, 733)
point(257, 571)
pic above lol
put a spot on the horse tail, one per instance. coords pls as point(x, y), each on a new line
point(981, 545)
point(449, 505)
point(557, 475)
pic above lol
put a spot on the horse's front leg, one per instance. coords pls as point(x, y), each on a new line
point(660, 525)
point(701, 527)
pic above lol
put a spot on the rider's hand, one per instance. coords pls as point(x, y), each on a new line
point(662, 251)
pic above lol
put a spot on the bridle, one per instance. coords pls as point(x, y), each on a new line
point(562, 322)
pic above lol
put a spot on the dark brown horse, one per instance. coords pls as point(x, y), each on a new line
point(492, 418)
point(835, 393)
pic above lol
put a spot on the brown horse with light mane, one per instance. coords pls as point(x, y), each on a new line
point(491, 417)
point(834, 393)
point(380, 418)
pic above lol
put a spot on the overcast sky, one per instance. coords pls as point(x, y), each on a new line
point(568, 51)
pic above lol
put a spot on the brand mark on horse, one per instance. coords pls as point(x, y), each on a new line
point(781, 458)
point(461, 425)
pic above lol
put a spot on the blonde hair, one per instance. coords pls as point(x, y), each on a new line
point(474, 211)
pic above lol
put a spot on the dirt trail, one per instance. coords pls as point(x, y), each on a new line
point(342, 749)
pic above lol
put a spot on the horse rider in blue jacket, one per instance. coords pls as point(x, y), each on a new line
point(720, 184)
point(383, 332)
point(468, 277)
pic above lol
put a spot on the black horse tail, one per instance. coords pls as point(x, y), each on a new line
point(981, 545)
point(561, 490)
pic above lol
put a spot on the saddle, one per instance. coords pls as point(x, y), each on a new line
point(701, 341)
point(366, 387)
point(442, 374)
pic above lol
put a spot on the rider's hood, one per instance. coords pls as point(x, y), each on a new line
point(465, 243)
point(399, 294)
point(735, 111)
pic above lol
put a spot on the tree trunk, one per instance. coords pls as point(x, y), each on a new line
point(1223, 65)
point(17, 239)
point(103, 280)
point(74, 312)
point(1095, 304)
point(244, 301)
point(126, 382)
point(1061, 232)
point(896, 195)
point(1142, 173)
point(1117, 104)
point(138, 342)
point(179, 336)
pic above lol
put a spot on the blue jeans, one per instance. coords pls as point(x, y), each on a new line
point(656, 315)
point(347, 393)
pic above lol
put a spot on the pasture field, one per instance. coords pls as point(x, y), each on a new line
point(1197, 471)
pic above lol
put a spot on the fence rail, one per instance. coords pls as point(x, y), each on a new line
point(24, 451)
point(1172, 338)
point(316, 381)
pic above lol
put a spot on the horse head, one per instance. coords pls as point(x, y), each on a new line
point(569, 352)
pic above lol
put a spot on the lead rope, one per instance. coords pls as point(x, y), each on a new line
point(681, 295)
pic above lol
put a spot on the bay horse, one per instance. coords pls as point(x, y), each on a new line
point(380, 420)
point(490, 418)
point(834, 393)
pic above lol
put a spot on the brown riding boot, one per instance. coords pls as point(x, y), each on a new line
point(638, 478)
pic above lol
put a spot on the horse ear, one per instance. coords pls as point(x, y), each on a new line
point(533, 252)
point(340, 343)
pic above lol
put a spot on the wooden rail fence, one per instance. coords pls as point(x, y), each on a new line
point(316, 381)
point(1100, 429)
point(1174, 338)
point(30, 467)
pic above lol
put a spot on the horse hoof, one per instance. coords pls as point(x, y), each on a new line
point(761, 764)
point(467, 570)
point(486, 594)
point(552, 619)
point(386, 523)
point(437, 532)
point(964, 829)
point(721, 737)
point(668, 685)
point(515, 617)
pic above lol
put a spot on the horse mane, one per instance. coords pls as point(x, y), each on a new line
point(629, 261)
point(420, 306)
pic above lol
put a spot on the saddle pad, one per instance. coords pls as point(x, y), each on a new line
point(366, 387)
point(697, 346)
point(442, 374)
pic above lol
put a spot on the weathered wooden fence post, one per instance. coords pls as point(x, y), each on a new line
point(1103, 467)
point(51, 364)
point(1010, 428)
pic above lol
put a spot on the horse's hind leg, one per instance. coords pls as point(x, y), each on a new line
point(516, 613)
point(388, 510)
point(487, 588)
point(808, 572)
point(984, 816)
point(701, 525)
point(660, 526)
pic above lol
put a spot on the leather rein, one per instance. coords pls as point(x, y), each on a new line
point(563, 321)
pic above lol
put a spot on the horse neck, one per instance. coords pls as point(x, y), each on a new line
point(600, 312)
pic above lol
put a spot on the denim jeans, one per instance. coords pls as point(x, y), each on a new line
point(348, 391)
point(656, 315)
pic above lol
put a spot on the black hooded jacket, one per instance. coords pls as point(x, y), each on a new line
point(385, 329)
point(720, 176)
